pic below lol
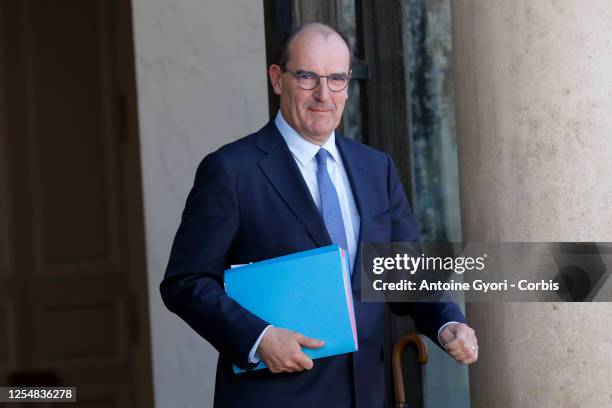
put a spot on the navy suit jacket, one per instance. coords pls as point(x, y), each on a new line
point(249, 202)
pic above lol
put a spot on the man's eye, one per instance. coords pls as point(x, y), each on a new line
point(306, 77)
point(338, 78)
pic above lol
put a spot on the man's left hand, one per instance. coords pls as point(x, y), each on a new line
point(459, 340)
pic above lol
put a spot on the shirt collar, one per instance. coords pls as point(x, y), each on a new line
point(302, 149)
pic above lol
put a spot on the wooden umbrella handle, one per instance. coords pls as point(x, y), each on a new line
point(398, 372)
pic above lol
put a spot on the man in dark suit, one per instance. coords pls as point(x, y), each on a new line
point(295, 185)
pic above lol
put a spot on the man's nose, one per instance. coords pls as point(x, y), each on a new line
point(322, 90)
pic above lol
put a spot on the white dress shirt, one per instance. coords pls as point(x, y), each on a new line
point(304, 153)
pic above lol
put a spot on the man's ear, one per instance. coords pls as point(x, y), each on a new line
point(275, 73)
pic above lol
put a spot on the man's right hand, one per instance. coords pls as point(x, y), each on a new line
point(281, 350)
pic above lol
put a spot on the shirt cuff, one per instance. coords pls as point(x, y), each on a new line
point(439, 331)
point(253, 356)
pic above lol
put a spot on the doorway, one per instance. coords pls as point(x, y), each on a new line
point(400, 102)
point(73, 297)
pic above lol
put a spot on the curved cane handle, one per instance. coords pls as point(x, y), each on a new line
point(398, 372)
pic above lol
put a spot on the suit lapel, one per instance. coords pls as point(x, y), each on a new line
point(281, 170)
point(356, 174)
point(357, 177)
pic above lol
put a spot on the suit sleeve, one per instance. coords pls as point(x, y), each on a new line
point(428, 316)
point(193, 284)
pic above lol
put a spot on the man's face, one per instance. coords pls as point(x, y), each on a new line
point(315, 113)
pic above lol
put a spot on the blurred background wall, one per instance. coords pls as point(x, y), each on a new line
point(200, 69)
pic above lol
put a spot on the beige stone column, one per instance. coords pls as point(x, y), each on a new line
point(534, 121)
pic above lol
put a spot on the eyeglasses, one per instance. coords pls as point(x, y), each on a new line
point(310, 80)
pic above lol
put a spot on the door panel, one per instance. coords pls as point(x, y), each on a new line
point(74, 142)
point(84, 332)
point(7, 334)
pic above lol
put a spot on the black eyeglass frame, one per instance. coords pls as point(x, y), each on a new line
point(318, 77)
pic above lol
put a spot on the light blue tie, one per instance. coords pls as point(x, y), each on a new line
point(330, 205)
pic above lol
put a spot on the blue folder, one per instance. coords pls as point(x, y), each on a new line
point(308, 292)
